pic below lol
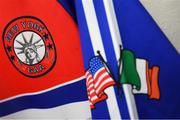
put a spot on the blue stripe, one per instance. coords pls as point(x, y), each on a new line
point(101, 110)
point(74, 92)
point(69, 6)
point(142, 35)
point(110, 53)
point(86, 44)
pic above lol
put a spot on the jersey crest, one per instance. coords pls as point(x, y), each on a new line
point(29, 46)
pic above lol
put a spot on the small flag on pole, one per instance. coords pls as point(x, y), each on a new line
point(136, 72)
point(97, 80)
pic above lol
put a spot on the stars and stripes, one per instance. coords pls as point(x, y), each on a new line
point(97, 80)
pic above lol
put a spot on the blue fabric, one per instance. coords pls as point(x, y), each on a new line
point(110, 54)
point(101, 111)
point(143, 36)
point(69, 6)
point(53, 98)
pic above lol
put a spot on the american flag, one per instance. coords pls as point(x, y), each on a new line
point(97, 80)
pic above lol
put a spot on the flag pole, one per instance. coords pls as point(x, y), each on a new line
point(107, 67)
point(97, 44)
point(115, 33)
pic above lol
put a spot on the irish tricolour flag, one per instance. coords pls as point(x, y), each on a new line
point(140, 75)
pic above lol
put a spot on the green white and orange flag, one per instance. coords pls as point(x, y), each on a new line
point(136, 72)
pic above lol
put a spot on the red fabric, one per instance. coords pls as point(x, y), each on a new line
point(69, 64)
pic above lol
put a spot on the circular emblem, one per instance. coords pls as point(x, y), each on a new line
point(29, 46)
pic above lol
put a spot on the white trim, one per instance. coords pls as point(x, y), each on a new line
point(43, 91)
point(115, 34)
point(113, 26)
point(97, 44)
point(75, 110)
